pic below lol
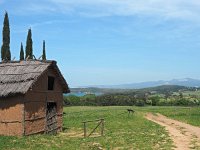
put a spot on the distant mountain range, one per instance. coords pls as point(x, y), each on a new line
point(158, 89)
point(187, 82)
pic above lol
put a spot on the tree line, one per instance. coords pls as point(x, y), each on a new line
point(133, 99)
point(5, 48)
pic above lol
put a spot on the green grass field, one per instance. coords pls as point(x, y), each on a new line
point(190, 115)
point(121, 131)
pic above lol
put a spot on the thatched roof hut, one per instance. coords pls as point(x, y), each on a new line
point(31, 90)
point(19, 77)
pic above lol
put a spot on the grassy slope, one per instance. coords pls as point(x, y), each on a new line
point(186, 114)
point(121, 130)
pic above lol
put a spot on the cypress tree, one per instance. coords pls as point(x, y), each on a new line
point(44, 51)
point(5, 49)
point(8, 55)
point(29, 45)
point(21, 52)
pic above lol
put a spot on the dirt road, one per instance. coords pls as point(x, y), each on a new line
point(184, 136)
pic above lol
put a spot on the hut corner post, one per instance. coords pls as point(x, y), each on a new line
point(23, 117)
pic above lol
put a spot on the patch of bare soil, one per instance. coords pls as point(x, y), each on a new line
point(92, 146)
point(184, 136)
point(72, 134)
point(78, 134)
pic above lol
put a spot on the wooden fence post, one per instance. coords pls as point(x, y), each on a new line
point(102, 126)
point(85, 131)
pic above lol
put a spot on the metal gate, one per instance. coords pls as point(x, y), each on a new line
point(51, 118)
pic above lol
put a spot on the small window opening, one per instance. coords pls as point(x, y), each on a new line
point(51, 83)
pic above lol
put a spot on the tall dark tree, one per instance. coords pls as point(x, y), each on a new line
point(8, 55)
point(44, 51)
point(21, 52)
point(5, 49)
point(29, 45)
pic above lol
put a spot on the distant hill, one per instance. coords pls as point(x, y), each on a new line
point(94, 90)
point(188, 82)
point(168, 88)
point(158, 89)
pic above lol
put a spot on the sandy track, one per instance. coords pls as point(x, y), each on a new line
point(184, 136)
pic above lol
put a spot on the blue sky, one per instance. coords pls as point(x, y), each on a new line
point(111, 41)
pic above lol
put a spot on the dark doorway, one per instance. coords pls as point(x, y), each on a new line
point(51, 122)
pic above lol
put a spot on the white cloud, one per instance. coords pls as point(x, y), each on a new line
point(183, 9)
point(46, 23)
point(167, 9)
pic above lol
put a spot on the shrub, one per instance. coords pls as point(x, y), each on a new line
point(155, 100)
point(72, 100)
point(139, 102)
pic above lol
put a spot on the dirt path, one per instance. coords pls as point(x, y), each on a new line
point(184, 136)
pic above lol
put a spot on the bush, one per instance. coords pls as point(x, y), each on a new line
point(149, 102)
point(139, 103)
point(88, 100)
point(155, 100)
point(72, 100)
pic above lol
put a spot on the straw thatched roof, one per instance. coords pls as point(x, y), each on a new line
point(19, 76)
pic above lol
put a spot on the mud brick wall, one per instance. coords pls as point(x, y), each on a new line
point(11, 110)
point(35, 104)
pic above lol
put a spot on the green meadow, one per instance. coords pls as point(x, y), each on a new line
point(190, 115)
point(122, 131)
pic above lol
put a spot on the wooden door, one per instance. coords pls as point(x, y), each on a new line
point(51, 118)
